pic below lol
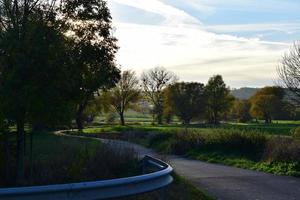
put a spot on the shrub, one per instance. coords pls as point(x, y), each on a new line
point(296, 133)
point(186, 141)
point(282, 149)
point(236, 141)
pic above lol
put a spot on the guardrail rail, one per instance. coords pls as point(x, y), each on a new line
point(159, 177)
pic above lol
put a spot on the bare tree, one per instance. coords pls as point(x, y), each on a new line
point(125, 94)
point(289, 72)
point(154, 82)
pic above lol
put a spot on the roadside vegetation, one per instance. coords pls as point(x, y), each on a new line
point(250, 149)
point(180, 189)
point(58, 71)
point(61, 159)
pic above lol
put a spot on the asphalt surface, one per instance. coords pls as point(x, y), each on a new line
point(228, 183)
point(224, 182)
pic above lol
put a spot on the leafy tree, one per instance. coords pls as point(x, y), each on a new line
point(187, 100)
point(89, 26)
point(267, 103)
point(33, 71)
point(153, 83)
point(125, 94)
point(168, 111)
point(241, 110)
point(218, 99)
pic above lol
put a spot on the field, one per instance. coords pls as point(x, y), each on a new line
point(258, 146)
point(143, 122)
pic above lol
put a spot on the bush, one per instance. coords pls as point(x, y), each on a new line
point(296, 133)
point(282, 149)
point(186, 141)
point(250, 144)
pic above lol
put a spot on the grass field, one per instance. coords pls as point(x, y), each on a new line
point(278, 128)
point(253, 146)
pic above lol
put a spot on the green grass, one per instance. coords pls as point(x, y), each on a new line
point(277, 128)
point(47, 146)
point(278, 168)
point(240, 145)
point(180, 189)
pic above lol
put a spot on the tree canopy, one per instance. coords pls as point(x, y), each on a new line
point(267, 103)
point(187, 100)
point(93, 51)
point(218, 98)
point(153, 83)
point(125, 94)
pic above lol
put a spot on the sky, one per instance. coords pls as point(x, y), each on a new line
point(242, 40)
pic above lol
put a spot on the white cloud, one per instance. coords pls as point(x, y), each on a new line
point(231, 28)
point(173, 16)
point(192, 52)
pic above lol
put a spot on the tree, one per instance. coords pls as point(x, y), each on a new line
point(168, 111)
point(187, 100)
point(267, 103)
point(89, 26)
point(289, 72)
point(153, 83)
point(241, 110)
point(32, 65)
point(218, 99)
point(125, 94)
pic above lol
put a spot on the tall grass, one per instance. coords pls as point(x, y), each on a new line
point(252, 149)
point(59, 159)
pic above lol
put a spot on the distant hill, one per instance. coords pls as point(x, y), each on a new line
point(244, 93)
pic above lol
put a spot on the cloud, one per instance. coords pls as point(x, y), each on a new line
point(182, 44)
point(172, 15)
point(232, 28)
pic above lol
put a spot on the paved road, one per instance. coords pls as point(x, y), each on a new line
point(227, 183)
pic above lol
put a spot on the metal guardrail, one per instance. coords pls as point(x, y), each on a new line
point(113, 188)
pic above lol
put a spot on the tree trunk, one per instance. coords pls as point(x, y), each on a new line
point(30, 154)
point(20, 152)
point(159, 119)
point(79, 117)
point(122, 119)
point(6, 156)
point(215, 118)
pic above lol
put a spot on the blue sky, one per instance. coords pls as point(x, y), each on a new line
point(243, 40)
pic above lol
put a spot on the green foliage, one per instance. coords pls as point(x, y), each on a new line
point(218, 99)
point(110, 117)
point(124, 95)
point(267, 103)
point(187, 100)
point(246, 148)
point(241, 111)
point(93, 50)
point(295, 132)
point(153, 83)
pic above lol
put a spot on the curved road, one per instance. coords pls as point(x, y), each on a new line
point(228, 183)
point(224, 182)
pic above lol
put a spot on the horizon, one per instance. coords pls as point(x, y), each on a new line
point(241, 40)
